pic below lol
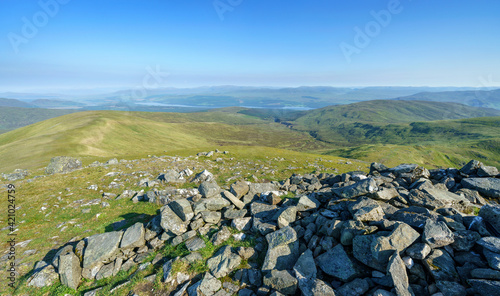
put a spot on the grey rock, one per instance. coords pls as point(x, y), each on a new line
point(264, 228)
point(105, 271)
point(451, 288)
point(211, 217)
point(62, 164)
point(491, 214)
point(43, 277)
point(210, 204)
point(182, 208)
point(487, 171)
point(337, 263)
point(465, 240)
point(239, 189)
point(194, 244)
point(221, 236)
point(263, 210)
point(414, 216)
point(69, 270)
point(287, 216)
point(490, 243)
point(62, 251)
point(203, 176)
point(492, 258)
point(231, 213)
point(433, 198)
point(233, 199)
point(101, 247)
point(283, 249)
point(418, 251)
point(315, 287)
point(133, 236)
point(207, 286)
point(242, 224)
point(357, 287)
point(398, 240)
point(386, 194)
point(381, 292)
point(365, 209)
point(282, 281)
point(171, 222)
point(305, 266)
point(437, 234)
point(397, 271)
point(485, 287)
point(307, 203)
point(471, 167)
point(167, 271)
point(209, 189)
point(183, 289)
point(364, 187)
point(441, 266)
point(485, 273)
point(258, 188)
point(223, 262)
point(489, 187)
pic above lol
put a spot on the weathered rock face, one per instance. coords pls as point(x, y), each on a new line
point(283, 250)
point(101, 247)
point(171, 222)
point(223, 262)
point(70, 270)
point(491, 214)
point(62, 164)
point(489, 187)
point(338, 264)
point(133, 236)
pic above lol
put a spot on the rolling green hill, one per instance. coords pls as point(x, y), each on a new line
point(16, 117)
point(94, 134)
point(404, 131)
point(387, 131)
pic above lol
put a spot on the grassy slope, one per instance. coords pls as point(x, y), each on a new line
point(16, 117)
point(113, 133)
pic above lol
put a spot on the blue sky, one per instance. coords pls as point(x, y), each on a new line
point(111, 43)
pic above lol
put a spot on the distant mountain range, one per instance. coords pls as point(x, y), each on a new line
point(477, 98)
point(180, 100)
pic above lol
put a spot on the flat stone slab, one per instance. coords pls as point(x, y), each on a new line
point(487, 186)
point(337, 263)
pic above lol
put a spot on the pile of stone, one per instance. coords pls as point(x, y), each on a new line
point(395, 231)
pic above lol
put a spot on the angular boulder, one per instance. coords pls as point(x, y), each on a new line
point(223, 262)
point(171, 222)
point(133, 236)
point(489, 187)
point(70, 271)
point(338, 264)
point(283, 249)
point(101, 247)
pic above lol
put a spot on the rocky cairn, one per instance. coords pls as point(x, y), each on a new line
point(395, 231)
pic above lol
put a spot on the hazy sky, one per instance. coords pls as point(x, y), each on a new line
point(57, 44)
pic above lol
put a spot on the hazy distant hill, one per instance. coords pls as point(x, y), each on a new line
point(478, 98)
point(48, 103)
point(14, 103)
point(16, 117)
